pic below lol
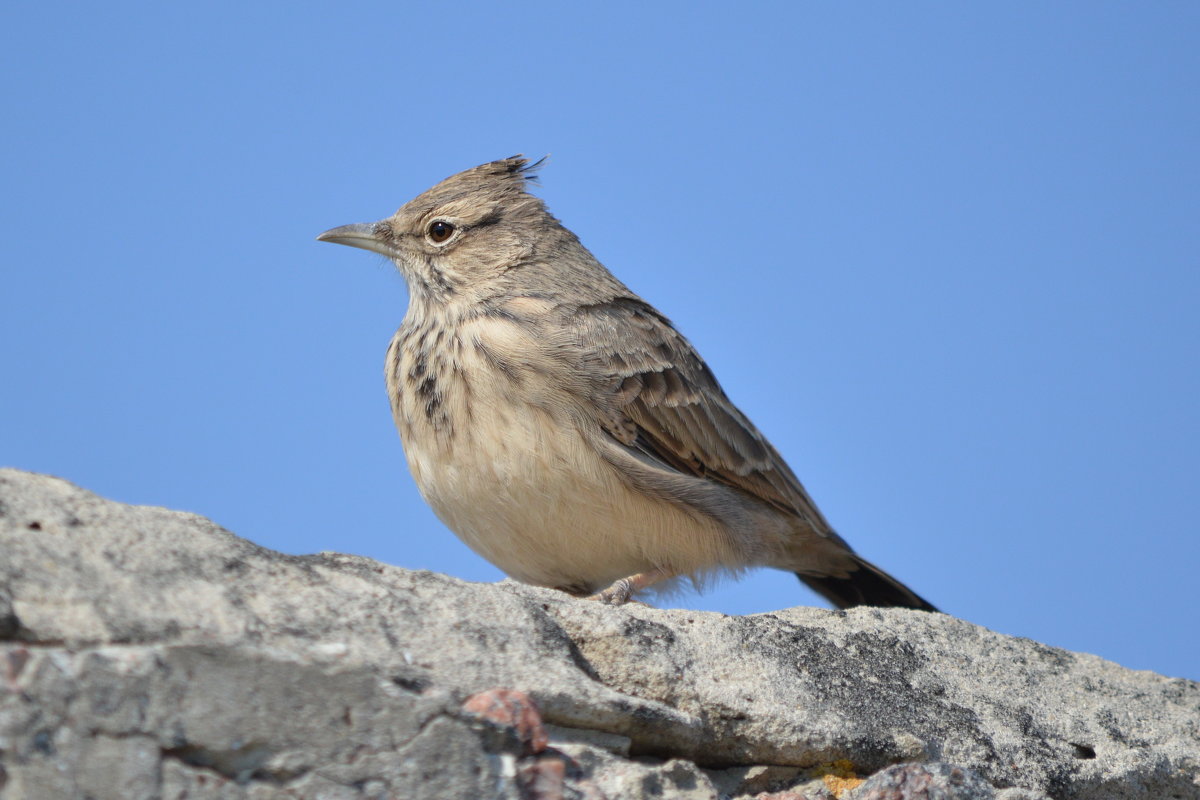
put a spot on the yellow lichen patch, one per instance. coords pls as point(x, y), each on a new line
point(839, 777)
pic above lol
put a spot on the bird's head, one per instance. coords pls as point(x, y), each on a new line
point(463, 232)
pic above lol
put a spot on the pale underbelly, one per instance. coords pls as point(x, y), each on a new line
point(529, 494)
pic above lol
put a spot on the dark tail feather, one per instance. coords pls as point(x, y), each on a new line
point(868, 585)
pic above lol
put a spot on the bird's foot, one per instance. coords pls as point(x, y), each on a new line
point(616, 595)
point(621, 591)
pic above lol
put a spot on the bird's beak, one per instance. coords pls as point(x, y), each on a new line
point(366, 235)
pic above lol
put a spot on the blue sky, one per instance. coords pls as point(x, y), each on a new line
point(945, 256)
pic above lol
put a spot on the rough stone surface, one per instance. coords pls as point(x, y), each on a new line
point(147, 653)
point(927, 782)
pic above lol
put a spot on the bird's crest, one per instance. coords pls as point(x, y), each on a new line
point(506, 178)
point(516, 168)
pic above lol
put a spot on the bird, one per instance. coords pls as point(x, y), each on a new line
point(564, 429)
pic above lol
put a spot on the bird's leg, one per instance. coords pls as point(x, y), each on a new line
point(620, 592)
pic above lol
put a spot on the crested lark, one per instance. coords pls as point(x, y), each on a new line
point(563, 428)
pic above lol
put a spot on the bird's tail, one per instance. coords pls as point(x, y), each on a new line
point(866, 585)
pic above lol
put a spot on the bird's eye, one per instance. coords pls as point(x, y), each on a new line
point(440, 231)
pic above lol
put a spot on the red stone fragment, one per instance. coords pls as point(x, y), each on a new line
point(542, 778)
point(514, 709)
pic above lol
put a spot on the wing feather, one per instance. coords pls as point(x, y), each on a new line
point(657, 396)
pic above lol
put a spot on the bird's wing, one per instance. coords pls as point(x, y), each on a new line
point(656, 396)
